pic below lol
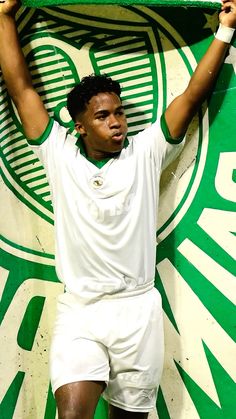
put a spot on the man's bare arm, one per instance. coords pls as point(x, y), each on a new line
point(181, 111)
point(32, 112)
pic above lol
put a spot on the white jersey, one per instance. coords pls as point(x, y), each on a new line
point(105, 218)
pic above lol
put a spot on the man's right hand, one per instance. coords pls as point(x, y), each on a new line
point(9, 7)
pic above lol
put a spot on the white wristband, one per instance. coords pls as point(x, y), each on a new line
point(224, 33)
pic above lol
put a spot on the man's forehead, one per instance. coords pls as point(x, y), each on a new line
point(104, 100)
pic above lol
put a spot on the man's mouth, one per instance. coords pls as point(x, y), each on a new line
point(118, 136)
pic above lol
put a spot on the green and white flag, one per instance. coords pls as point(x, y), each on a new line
point(153, 52)
point(174, 3)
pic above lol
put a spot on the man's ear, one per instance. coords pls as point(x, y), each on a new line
point(80, 128)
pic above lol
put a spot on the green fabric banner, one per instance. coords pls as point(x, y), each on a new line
point(191, 3)
point(152, 52)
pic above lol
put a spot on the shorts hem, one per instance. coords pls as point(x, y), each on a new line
point(76, 380)
point(126, 407)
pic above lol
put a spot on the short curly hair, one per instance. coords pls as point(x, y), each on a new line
point(90, 86)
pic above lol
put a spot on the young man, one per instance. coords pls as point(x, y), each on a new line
point(108, 333)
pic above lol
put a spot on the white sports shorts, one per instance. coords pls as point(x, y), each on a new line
point(118, 341)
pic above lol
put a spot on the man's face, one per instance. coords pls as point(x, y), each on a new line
point(103, 125)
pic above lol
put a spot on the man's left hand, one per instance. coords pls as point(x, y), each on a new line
point(227, 17)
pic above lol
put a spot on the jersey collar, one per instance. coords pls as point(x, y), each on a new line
point(98, 163)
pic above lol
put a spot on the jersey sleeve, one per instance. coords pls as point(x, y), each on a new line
point(49, 147)
point(157, 141)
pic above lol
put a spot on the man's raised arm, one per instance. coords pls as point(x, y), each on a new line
point(181, 111)
point(32, 112)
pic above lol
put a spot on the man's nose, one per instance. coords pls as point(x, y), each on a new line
point(113, 121)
